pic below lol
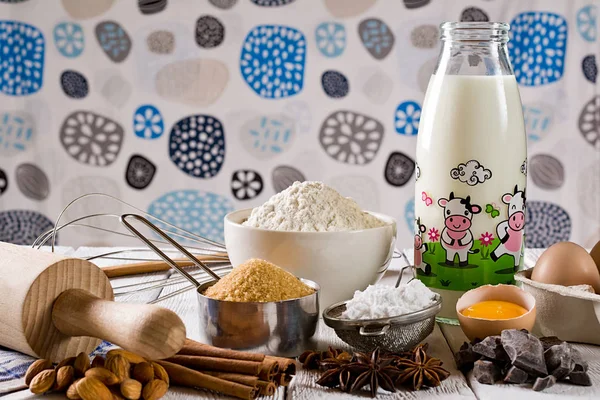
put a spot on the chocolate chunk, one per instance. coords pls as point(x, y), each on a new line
point(516, 375)
point(491, 347)
point(580, 364)
point(549, 341)
point(580, 378)
point(544, 383)
point(486, 372)
point(559, 360)
point(466, 357)
point(525, 351)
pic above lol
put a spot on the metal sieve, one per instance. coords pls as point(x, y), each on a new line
point(394, 334)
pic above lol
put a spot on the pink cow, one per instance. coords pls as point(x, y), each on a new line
point(420, 248)
point(457, 238)
point(510, 231)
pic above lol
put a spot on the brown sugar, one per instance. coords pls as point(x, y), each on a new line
point(258, 281)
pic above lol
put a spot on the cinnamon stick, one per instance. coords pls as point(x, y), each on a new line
point(283, 379)
point(266, 388)
point(200, 363)
point(182, 376)
point(286, 365)
point(249, 380)
point(268, 369)
point(193, 348)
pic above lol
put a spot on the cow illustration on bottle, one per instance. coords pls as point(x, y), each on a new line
point(457, 238)
point(510, 231)
point(420, 248)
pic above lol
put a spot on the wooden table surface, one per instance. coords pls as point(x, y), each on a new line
point(443, 342)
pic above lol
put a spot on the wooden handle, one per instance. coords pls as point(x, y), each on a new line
point(150, 331)
point(156, 266)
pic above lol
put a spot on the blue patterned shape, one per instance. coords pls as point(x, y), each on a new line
point(587, 22)
point(537, 47)
point(377, 37)
point(22, 48)
point(193, 210)
point(114, 40)
point(407, 117)
point(197, 145)
point(272, 61)
point(148, 122)
point(331, 39)
point(545, 224)
point(17, 132)
point(267, 136)
point(69, 39)
point(538, 120)
point(409, 214)
point(22, 226)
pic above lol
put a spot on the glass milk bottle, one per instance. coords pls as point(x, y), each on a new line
point(471, 166)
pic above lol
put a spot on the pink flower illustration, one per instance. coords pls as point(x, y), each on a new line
point(434, 235)
point(486, 239)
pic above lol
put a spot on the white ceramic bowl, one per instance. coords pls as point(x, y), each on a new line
point(340, 262)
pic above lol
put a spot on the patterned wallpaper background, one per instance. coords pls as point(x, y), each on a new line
point(192, 108)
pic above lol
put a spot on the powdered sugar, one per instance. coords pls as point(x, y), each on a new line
point(311, 207)
point(380, 301)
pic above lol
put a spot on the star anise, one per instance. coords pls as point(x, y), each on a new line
point(421, 370)
point(312, 359)
point(376, 372)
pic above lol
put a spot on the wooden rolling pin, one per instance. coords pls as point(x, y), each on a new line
point(54, 307)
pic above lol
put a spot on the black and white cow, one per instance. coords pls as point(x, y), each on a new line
point(510, 231)
point(456, 235)
point(420, 248)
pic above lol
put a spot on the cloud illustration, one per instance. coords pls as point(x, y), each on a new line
point(471, 173)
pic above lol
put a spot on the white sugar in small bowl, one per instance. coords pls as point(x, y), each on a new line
point(340, 262)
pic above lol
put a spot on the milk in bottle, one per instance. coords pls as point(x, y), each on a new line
point(471, 166)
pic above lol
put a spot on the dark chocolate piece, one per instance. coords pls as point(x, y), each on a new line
point(580, 364)
point(559, 360)
point(525, 351)
point(516, 375)
point(491, 347)
point(549, 341)
point(544, 383)
point(486, 372)
point(580, 378)
point(465, 357)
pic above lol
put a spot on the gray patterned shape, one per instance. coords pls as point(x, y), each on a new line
point(32, 182)
point(589, 122)
point(91, 138)
point(377, 37)
point(223, 4)
point(114, 40)
point(284, 176)
point(588, 187)
point(210, 32)
point(22, 227)
point(399, 169)
point(161, 42)
point(410, 4)
point(351, 137)
point(546, 171)
point(3, 182)
point(151, 6)
point(473, 14)
point(425, 36)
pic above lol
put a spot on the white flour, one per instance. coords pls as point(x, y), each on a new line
point(381, 301)
point(311, 207)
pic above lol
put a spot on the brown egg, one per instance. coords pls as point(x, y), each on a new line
point(566, 264)
point(595, 253)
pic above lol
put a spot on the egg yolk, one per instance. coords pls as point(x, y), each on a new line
point(494, 309)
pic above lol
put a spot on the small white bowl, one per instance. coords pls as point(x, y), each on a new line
point(340, 262)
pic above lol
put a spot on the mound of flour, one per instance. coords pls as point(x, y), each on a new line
point(311, 207)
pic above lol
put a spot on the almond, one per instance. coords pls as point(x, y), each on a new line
point(43, 381)
point(103, 375)
point(35, 368)
point(155, 389)
point(118, 365)
point(93, 389)
point(131, 357)
point(116, 393)
point(131, 389)
point(64, 377)
point(81, 364)
point(160, 372)
point(72, 391)
point(98, 362)
point(67, 361)
point(143, 372)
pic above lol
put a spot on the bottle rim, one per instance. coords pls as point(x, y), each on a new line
point(475, 31)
